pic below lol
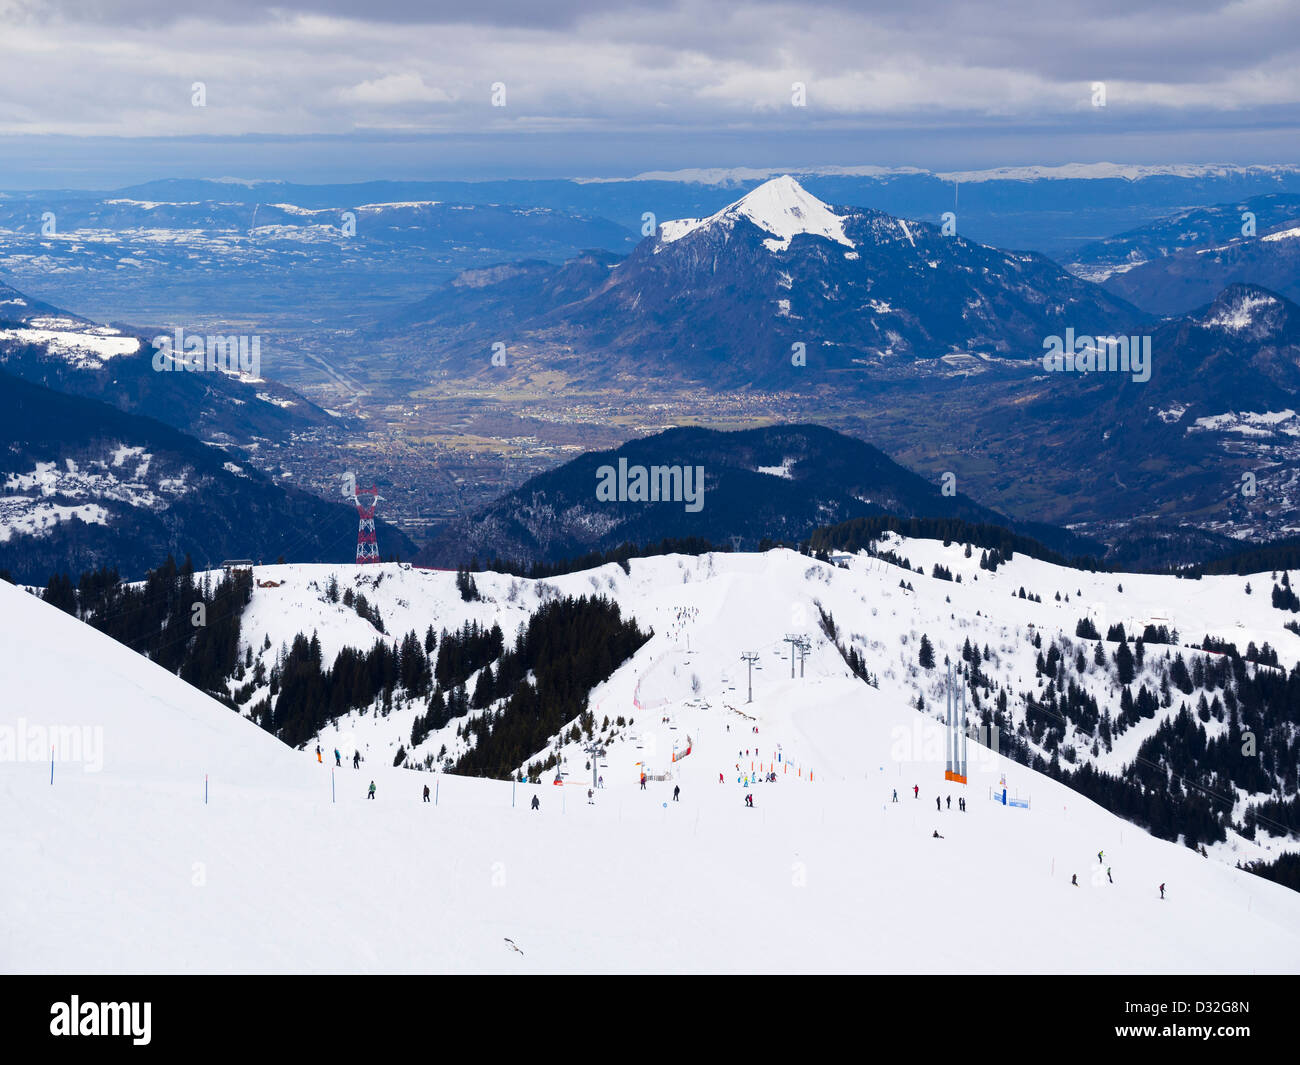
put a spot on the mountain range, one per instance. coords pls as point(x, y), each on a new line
point(773, 484)
point(69, 353)
point(84, 485)
point(777, 290)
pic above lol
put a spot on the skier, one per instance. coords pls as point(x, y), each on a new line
point(949, 802)
point(356, 759)
point(749, 801)
point(916, 791)
point(936, 834)
point(1075, 880)
point(720, 780)
point(895, 795)
point(589, 794)
point(643, 782)
point(1162, 891)
point(1108, 874)
point(600, 782)
point(426, 793)
point(371, 793)
point(338, 761)
point(318, 757)
point(1100, 860)
point(962, 804)
point(937, 804)
point(537, 803)
point(677, 790)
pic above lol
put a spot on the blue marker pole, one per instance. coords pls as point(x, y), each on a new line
point(51, 766)
point(333, 798)
point(205, 789)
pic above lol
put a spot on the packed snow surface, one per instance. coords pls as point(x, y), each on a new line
point(121, 865)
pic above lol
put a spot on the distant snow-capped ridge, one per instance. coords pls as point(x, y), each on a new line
point(1067, 171)
point(246, 182)
point(1240, 310)
point(82, 344)
point(781, 207)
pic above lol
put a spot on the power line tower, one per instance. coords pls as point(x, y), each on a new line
point(367, 545)
point(751, 657)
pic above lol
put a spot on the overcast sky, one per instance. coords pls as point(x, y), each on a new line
point(96, 93)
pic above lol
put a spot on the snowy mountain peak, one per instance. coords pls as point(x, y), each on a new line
point(781, 207)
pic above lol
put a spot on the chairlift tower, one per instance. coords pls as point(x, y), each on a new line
point(751, 657)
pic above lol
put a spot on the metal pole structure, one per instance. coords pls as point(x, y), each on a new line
point(947, 722)
point(751, 657)
point(964, 729)
point(793, 641)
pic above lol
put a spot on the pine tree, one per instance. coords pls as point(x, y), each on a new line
point(925, 656)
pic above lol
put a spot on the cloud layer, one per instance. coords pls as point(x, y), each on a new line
point(325, 67)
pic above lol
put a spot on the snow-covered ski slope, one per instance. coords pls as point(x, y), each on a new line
point(127, 869)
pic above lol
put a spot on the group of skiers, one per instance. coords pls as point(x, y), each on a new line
point(938, 802)
point(961, 805)
point(1101, 860)
point(338, 757)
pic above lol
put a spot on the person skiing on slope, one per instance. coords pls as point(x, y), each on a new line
point(643, 782)
point(1099, 858)
point(337, 758)
point(937, 804)
point(677, 790)
point(895, 795)
point(916, 791)
point(1108, 874)
point(318, 757)
point(589, 794)
point(936, 834)
point(1075, 880)
point(537, 803)
point(749, 800)
point(356, 759)
point(720, 780)
point(1162, 891)
point(371, 793)
point(426, 793)
point(949, 802)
